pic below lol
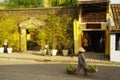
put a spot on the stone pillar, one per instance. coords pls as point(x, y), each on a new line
point(107, 43)
point(78, 33)
point(23, 40)
point(75, 36)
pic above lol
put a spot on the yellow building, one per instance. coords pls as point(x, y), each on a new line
point(92, 24)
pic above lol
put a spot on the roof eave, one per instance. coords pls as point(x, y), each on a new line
point(93, 1)
point(115, 31)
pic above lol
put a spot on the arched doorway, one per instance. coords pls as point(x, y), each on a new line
point(27, 39)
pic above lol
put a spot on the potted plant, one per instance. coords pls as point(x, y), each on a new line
point(52, 31)
point(65, 52)
point(41, 38)
point(9, 50)
point(65, 48)
point(66, 33)
point(1, 49)
point(57, 28)
point(53, 42)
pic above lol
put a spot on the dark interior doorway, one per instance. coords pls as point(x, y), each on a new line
point(95, 41)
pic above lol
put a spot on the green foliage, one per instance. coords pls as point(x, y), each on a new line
point(23, 3)
point(9, 31)
point(8, 27)
point(36, 3)
point(91, 68)
point(41, 37)
point(55, 3)
point(57, 29)
point(70, 69)
point(53, 29)
point(66, 3)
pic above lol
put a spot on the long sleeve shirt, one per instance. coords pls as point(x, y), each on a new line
point(81, 59)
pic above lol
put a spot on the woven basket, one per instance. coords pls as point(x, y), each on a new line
point(71, 71)
point(92, 70)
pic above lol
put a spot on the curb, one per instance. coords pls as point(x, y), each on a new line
point(57, 59)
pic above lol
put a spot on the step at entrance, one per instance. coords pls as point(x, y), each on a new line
point(96, 56)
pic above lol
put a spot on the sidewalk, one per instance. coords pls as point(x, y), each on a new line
point(40, 58)
point(91, 60)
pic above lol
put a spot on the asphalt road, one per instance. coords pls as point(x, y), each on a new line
point(30, 70)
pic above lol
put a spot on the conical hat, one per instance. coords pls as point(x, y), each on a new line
point(81, 49)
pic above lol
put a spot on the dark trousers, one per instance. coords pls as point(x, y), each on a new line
point(5, 48)
point(83, 69)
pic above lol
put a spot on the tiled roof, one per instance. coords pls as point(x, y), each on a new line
point(115, 8)
point(91, 1)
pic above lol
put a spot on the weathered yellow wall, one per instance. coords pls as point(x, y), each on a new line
point(107, 48)
point(80, 12)
point(78, 33)
point(75, 36)
point(108, 13)
point(104, 26)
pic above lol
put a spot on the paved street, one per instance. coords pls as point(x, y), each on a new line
point(11, 69)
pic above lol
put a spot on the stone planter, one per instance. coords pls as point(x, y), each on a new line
point(43, 51)
point(53, 52)
point(65, 52)
point(2, 50)
point(9, 50)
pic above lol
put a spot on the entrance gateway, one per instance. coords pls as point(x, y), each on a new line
point(93, 36)
point(93, 39)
